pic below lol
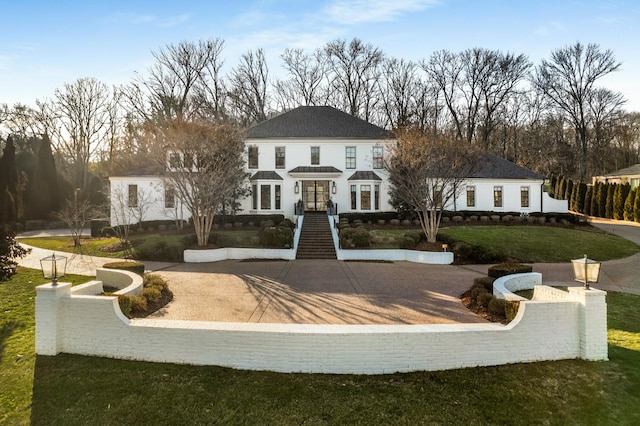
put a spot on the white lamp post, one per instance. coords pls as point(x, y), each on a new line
point(53, 267)
point(586, 271)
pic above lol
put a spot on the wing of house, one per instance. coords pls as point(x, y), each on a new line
point(629, 175)
point(312, 156)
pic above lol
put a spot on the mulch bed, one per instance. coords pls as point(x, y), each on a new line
point(480, 310)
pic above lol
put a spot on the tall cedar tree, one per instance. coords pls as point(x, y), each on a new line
point(568, 190)
point(573, 197)
point(628, 205)
point(8, 184)
point(586, 208)
point(602, 199)
point(636, 206)
point(44, 194)
point(609, 202)
point(582, 193)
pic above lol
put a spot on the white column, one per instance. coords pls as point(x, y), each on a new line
point(48, 316)
point(593, 323)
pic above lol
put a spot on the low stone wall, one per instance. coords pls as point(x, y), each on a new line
point(216, 255)
point(571, 325)
point(504, 287)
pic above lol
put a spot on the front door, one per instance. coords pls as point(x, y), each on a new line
point(315, 194)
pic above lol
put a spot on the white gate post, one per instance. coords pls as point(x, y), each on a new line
point(49, 316)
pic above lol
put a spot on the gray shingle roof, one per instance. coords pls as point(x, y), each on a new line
point(364, 175)
point(629, 171)
point(268, 174)
point(317, 122)
point(315, 169)
point(493, 167)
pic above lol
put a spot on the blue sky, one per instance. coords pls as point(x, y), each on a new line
point(45, 44)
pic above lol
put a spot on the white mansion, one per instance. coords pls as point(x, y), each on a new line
point(317, 155)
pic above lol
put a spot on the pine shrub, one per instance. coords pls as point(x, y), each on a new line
point(152, 294)
point(608, 210)
point(586, 206)
point(497, 306)
point(628, 205)
point(636, 206)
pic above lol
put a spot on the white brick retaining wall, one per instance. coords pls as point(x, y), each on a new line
point(571, 326)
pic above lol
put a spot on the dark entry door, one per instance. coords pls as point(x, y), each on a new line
point(315, 194)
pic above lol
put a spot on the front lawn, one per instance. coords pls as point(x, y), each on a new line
point(78, 390)
point(543, 243)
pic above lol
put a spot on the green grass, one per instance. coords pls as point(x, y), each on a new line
point(544, 243)
point(17, 334)
point(88, 246)
point(78, 390)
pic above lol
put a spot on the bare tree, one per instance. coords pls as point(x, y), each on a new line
point(568, 79)
point(355, 70)
point(210, 169)
point(307, 73)
point(78, 122)
point(183, 83)
point(426, 172)
point(399, 87)
point(76, 213)
point(248, 87)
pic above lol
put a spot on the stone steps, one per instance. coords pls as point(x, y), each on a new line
point(316, 241)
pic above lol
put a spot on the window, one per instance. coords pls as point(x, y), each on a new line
point(253, 157)
point(365, 197)
point(378, 162)
point(437, 197)
point(265, 197)
point(188, 161)
point(315, 155)
point(524, 196)
point(350, 161)
point(133, 196)
point(376, 197)
point(353, 197)
point(175, 160)
point(497, 196)
point(471, 196)
point(278, 196)
point(254, 197)
point(279, 157)
point(169, 196)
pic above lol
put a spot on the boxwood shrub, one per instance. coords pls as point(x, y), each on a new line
point(504, 269)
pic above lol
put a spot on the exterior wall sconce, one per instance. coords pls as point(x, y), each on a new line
point(296, 187)
point(586, 271)
point(333, 187)
point(53, 267)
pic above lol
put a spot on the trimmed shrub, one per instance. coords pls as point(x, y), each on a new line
point(406, 242)
point(152, 294)
point(476, 292)
point(161, 249)
point(511, 310)
point(138, 304)
point(358, 237)
point(415, 236)
point(154, 281)
point(132, 266)
point(628, 205)
point(503, 269)
point(484, 282)
point(497, 306)
point(484, 299)
point(125, 304)
point(277, 237)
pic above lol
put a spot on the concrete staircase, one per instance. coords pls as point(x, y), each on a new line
point(316, 241)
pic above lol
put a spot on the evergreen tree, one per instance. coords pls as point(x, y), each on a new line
point(559, 188)
point(618, 204)
point(602, 199)
point(568, 190)
point(595, 194)
point(580, 198)
point(44, 194)
point(573, 197)
point(636, 206)
point(586, 209)
point(608, 209)
point(8, 184)
point(628, 205)
point(552, 186)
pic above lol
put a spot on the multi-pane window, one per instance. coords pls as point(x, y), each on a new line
point(133, 196)
point(524, 196)
point(279, 157)
point(365, 197)
point(254, 197)
point(350, 160)
point(353, 197)
point(278, 197)
point(376, 197)
point(471, 196)
point(175, 160)
point(265, 197)
point(497, 196)
point(169, 196)
point(253, 157)
point(315, 155)
point(188, 161)
point(378, 162)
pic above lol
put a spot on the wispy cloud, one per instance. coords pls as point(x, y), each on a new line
point(146, 19)
point(550, 28)
point(369, 11)
point(174, 21)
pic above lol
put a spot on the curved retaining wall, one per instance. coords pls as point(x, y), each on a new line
point(126, 282)
point(557, 325)
point(504, 287)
